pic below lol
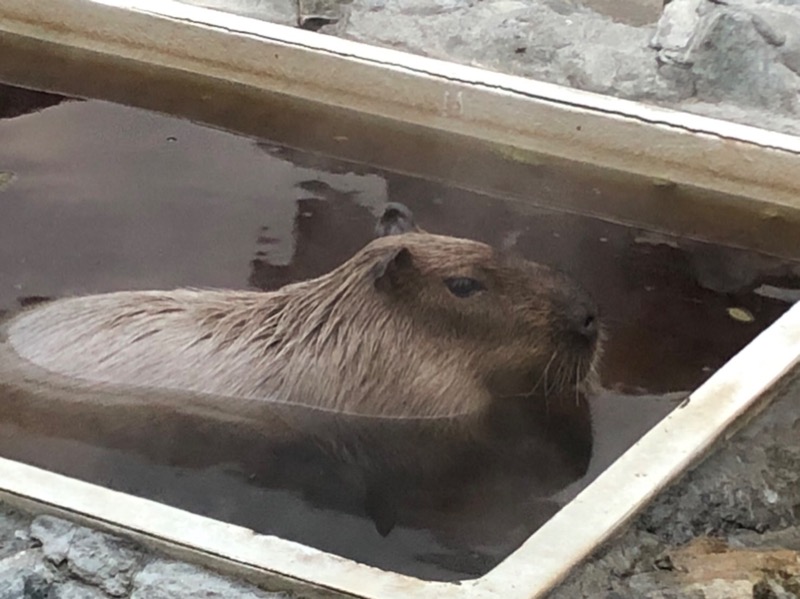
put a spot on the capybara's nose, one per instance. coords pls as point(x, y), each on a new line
point(583, 319)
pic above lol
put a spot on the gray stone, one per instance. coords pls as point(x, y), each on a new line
point(75, 590)
point(789, 27)
point(55, 535)
point(676, 26)
point(283, 12)
point(755, 486)
point(737, 59)
point(718, 589)
point(737, 56)
point(314, 14)
point(163, 579)
point(732, 61)
point(24, 575)
point(103, 560)
point(788, 538)
point(36, 586)
point(771, 34)
point(13, 532)
point(93, 557)
point(791, 58)
point(551, 40)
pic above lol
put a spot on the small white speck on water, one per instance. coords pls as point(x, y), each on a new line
point(741, 315)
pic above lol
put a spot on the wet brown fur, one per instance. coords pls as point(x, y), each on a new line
point(381, 335)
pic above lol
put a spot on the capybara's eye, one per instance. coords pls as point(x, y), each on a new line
point(463, 286)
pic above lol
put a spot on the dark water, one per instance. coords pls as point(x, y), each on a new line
point(98, 197)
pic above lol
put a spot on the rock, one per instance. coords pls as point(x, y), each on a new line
point(705, 568)
point(93, 557)
point(718, 589)
point(771, 587)
point(737, 60)
point(36, 586)
point(75, 590)
point(788, 538)
point(732, 61)
point(754, 485)
point(55, 535)
point(163, 579)
point(283, 12)
point(741, 52)
point(13, 532)
point(314, 14)
point(771, 34)
point(675, 27)
point(551, 40)
point(103, 560)
point(24, 575)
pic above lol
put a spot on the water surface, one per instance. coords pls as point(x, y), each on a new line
point(97, 197)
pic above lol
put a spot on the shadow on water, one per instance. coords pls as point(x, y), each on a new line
point(107, 198)
point(16, 101)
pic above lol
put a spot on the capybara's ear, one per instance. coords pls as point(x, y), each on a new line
point(396, 219)
point(391, 268)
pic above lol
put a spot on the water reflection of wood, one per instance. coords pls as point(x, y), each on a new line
point(16, 101)
point(324, 229)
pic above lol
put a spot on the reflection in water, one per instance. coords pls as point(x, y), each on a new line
point(105, 201)
point(15, 101)
point(451, 507)
point(331, 221)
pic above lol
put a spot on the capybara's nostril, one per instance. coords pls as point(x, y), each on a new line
point(589, 328)
point(583, 319)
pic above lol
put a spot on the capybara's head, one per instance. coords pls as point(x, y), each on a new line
point(516, 324)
